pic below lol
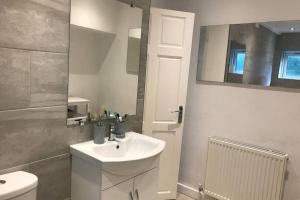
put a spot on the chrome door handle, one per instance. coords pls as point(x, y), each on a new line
point(131, 196)
point(137, 194)
point(180, 114)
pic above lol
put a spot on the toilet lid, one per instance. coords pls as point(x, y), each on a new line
point(16, 183)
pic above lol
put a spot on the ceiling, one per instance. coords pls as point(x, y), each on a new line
point(283, 26)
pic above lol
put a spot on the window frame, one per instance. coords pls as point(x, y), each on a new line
point(284, 63)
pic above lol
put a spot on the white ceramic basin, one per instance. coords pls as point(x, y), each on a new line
point(134, 147)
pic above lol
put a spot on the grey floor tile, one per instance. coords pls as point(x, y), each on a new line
point(84, 133)
point(183, 197)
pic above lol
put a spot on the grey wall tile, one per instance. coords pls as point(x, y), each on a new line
point(141, 83)
point(27, 136)
point(54, 176)
point(33, 134)
point(134, 123)
point(140, 109)
point(84, 133)
point(49, 79)
point(14, 79)
point(32, 79)
point(34, 24)
point(144, 51)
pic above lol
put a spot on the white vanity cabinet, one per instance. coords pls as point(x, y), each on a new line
point(116, 170)
point(123, 191)
point(146, 185)
point(123, 181)
point(142, 187)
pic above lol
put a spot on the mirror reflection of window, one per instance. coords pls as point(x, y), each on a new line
point(290, 66)
point(237, 61)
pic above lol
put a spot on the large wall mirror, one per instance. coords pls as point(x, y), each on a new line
point(265, 54)
point(105, 43)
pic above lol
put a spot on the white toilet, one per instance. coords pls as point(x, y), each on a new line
point(18, 186)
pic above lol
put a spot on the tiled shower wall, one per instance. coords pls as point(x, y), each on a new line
point(34, 45)
point(34, 42)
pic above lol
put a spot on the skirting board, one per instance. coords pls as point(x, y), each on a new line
point(188, 191)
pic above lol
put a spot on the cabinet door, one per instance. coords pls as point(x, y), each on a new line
point(146, 186)
point(123, 191)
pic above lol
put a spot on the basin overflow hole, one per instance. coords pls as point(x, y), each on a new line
point(118, 147)
point(2, 182)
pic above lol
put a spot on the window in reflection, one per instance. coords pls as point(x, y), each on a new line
point(290, 66)
point(237, 61)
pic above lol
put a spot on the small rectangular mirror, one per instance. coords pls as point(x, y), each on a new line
point(133, 50)
point(105, 40)
point(265, 54)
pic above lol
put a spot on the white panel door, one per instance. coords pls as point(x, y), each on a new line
point(170, 41)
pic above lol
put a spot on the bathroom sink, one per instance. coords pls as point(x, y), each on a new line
point(134, 147)
point(97, 168)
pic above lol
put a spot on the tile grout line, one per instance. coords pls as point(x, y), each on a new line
point(26, 165)
point(33, 108)
point(33, 50)
point(30, 65)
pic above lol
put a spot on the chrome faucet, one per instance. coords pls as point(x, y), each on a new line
point(112, 132)
point(115, 126)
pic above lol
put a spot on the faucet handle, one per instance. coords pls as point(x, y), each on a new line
point(112, 132)
point(117, 115)
point(120, 119)
point(112, 128)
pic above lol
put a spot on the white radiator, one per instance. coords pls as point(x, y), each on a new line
point(237, 171)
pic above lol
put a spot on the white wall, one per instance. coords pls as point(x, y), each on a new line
point(100, 15)
point(262, 117)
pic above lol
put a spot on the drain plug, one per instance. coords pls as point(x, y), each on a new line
point(2, 182)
